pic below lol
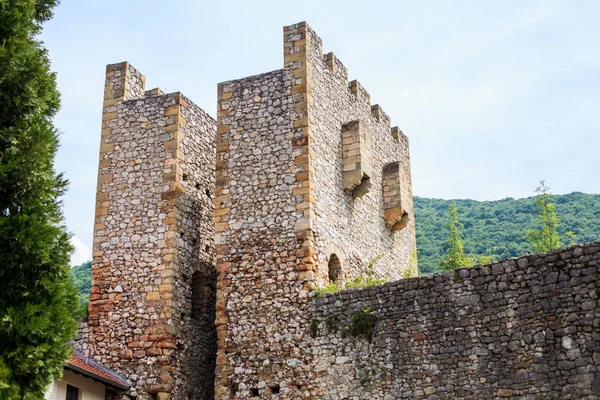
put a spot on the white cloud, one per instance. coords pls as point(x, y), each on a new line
point(81, 253)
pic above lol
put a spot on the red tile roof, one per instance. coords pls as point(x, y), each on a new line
point(92, 369)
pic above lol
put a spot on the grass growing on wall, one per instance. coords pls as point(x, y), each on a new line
point(359, 281)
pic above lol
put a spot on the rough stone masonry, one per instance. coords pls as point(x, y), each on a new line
point(526, 328)
point(151, 309)
point(211, 237)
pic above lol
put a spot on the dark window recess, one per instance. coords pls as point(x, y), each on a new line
point(203, 295)
point(274, 389)
point(335, 268)
point(233, 388)
point(254, 392)
point(72, 393)
point(208, 192)
point(198, 186)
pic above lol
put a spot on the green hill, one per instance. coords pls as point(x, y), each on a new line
point(82, 278)
point(498, 227)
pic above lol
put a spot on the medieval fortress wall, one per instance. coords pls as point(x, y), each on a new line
point(211, 236)
point(259, 248)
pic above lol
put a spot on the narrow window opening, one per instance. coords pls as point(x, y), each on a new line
point(335, 268)
point(203, 296)
point(275, 389)
point(254, 392)
point(198, 186)
point(233, 388)
point(72, 393)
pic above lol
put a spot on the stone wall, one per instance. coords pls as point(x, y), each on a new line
point(259, 239)
point(526, 328)
point(153, 229)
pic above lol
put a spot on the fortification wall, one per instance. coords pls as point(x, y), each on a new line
point(526, 328)
point(306, 168)
point(153, 230)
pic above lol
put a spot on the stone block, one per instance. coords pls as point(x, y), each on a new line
point(356, 158)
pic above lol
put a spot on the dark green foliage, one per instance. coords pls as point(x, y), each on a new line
point(332, 323)
point(38, 297)
point(362, 323)
point(82, 278)
point(454, 256)
point(498, 228)
point(546, 237)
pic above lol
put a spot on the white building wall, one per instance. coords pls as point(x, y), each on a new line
point(88, 388)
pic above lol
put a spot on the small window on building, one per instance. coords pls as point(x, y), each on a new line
point(335, 268)
point(72, 393)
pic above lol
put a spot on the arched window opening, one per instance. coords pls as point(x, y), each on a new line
point(335, 268)
point(203, 295)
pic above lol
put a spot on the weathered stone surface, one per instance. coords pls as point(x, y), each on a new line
point(539, 339)
point(153, 230)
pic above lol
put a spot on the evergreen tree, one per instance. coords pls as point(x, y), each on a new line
point(455, 256)
point(546, 237)
point(37, 297)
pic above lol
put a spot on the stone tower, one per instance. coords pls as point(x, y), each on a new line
point(151, 311)
point(312, 185)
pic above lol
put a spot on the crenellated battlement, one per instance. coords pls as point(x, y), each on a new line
point(303, 52)
point(359, 92)
point(336, 66)
point(153, 92)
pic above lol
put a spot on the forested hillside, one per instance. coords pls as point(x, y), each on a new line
point(82, 278)
point(498, 227)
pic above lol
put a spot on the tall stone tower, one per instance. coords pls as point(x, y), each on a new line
point(151, 311)
point(313, 185)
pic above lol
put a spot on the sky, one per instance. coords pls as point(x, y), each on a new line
point(494, 96)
